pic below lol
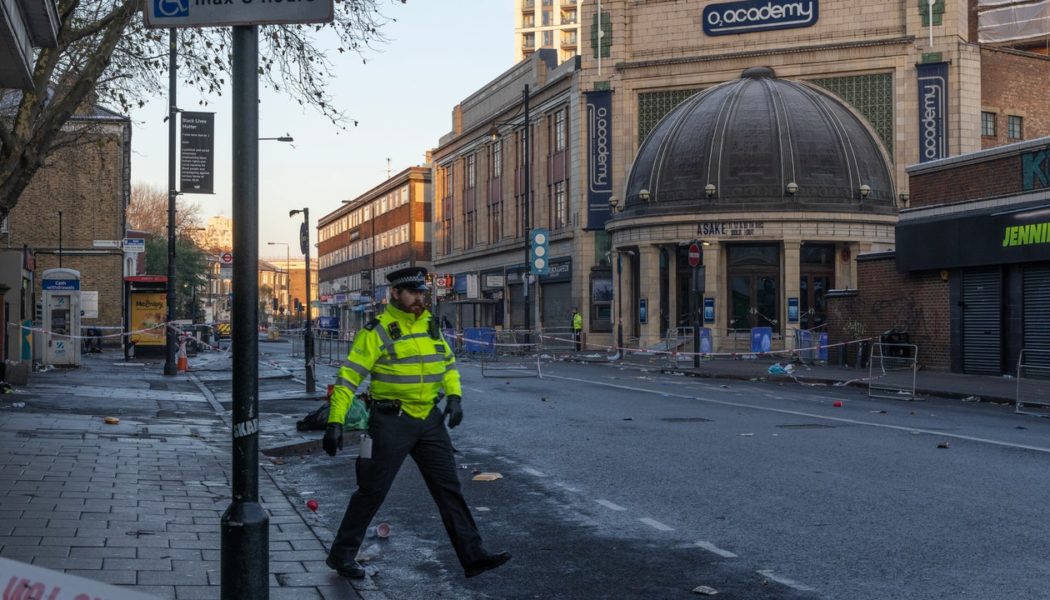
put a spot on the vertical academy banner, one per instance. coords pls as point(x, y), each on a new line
point(196, 156)
point(599, 158)
point(933, 111)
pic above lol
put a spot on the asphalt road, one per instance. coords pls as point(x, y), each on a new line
point(618, 483)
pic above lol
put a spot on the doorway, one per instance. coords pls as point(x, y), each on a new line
point(817, 276)
point(754, 290)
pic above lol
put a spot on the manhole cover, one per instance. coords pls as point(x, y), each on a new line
point(806, 426)
point(686, 420)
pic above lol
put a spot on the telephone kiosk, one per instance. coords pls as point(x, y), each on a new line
point(61, 303)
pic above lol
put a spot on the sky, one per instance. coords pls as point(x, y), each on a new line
point(438, 52)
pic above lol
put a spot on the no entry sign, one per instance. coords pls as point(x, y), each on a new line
point(694, 254)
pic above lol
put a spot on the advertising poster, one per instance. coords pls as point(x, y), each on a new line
point(147, 312)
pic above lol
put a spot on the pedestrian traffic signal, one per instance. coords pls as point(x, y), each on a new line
point(539, 259)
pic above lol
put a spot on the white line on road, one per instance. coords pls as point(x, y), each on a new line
point(797, 413)
point(610, 505)
point(533, 472)
point(791, 583)
point(716, 550)
point(566, 486)
point(655, 524)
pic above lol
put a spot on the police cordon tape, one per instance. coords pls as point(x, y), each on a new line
point(644, 351)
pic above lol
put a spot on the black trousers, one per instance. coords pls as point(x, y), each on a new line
point(577, 337)
point(394, 437)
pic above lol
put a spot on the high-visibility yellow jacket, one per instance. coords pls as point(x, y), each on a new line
point(577, 321)
point(409, 361)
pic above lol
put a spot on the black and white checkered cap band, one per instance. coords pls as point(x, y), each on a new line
point(416, 280)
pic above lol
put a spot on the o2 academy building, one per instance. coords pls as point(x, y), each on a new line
point(773, 138)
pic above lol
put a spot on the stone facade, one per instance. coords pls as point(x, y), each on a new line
point(89, 182)
point(865, 53)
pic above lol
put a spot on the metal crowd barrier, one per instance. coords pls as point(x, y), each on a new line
point(1033, 389)
point(515, 353)
point(892, 370)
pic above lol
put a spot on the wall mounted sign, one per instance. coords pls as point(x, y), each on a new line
point(709, 310)
point(1035, 169)
point(753, 16)
point(599, 158)
point(730, 228)
point(793, 310)
point(933, 111)
point(643, 310)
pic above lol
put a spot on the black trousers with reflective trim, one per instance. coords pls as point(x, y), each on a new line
point(394, 437)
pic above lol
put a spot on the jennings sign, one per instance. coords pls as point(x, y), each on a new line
point(752, 16)
point(933, 111)
point(599, 158)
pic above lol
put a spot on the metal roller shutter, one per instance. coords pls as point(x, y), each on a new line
point(1037, 319)
point(982, 322)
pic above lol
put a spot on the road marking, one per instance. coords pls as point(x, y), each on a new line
point(715, 549)
point(507, 460)
point(791, 583)
point(566, 486)
point(533, 472)
point(798, 413)
point(474, 389)
point(655, 524)
point(610, 505)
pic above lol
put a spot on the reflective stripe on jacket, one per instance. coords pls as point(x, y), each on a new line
point(405, 362)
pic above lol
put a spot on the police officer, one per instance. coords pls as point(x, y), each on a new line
point(410, 362)
point(577, 329)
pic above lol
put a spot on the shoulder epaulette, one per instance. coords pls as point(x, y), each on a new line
point(372, 324)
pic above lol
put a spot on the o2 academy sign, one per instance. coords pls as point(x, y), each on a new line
point(751, 16)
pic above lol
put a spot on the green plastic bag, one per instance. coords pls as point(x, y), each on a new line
point(357, 416)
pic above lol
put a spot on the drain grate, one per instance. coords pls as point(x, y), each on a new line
point(686, 420)
point(806, 426)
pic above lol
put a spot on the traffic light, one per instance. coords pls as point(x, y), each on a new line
point(539, 259)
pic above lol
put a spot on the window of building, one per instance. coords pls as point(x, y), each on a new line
point(448, 181)
point(548, 39)
point(548, 19)
point(496, 159)
point(446, 230)
point(472, 175)
point(560, 218)
point(495, 221)
point(471, 230)
point(1014, 127)
point(559, 130)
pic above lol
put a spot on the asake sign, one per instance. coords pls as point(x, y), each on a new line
point(223, 13)
point(752, 16)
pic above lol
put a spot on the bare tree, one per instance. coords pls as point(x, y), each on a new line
point(105, 54)
point(148, 211)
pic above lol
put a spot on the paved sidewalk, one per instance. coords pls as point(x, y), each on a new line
point(138, 503)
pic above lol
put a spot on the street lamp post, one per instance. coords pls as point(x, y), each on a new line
point(308, 336)
point(287, 277)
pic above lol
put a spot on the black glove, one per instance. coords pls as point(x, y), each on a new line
point(333, 438)
point(453, 410)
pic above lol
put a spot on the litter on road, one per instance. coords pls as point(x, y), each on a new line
point(487, 477)
point(705, 590)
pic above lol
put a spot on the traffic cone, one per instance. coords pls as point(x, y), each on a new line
point(183, 362)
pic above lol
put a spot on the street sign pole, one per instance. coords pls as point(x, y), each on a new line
point(245, 527)
point(695, 290)
point(169, 332)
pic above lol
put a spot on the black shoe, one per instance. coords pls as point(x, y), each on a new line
point(487, 562)
point(353, 569)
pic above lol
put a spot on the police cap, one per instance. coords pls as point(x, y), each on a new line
point(409, 278)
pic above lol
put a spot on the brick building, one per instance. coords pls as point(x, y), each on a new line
point(385, 229)
point(88, 182)
point(970, 279)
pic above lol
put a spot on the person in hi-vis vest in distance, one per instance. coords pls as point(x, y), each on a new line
point(577, 329)
point(410, 363)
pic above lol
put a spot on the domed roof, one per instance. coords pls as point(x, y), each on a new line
point(745, 144)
